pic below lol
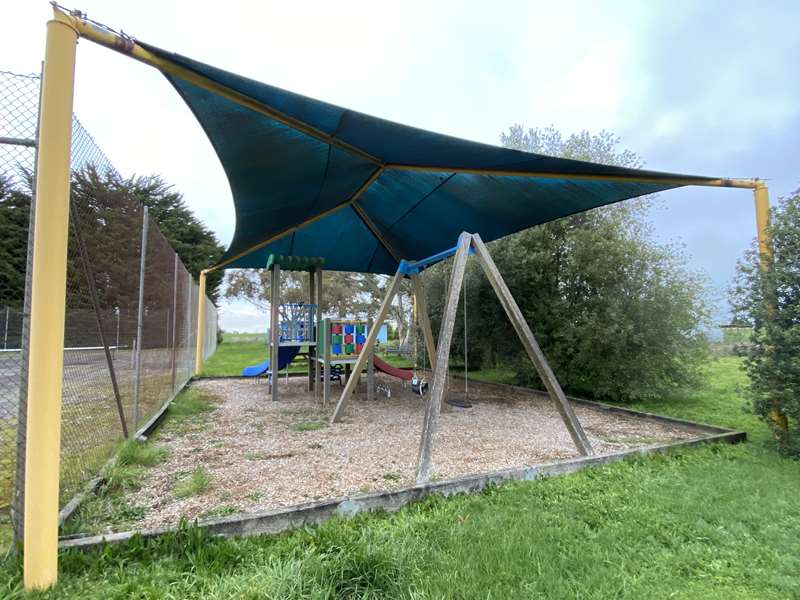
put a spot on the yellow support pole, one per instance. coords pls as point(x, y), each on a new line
point(201, 323)
point(48, 299)
point(761, 197)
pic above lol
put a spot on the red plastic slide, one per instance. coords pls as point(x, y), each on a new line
point(385, 367)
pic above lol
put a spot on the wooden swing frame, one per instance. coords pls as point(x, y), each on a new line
point(468, 243)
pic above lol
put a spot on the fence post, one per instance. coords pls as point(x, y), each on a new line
point(137, 368)
point(48, 299)
point(174, 318)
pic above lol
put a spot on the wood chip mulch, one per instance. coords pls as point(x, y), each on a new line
point(259, 454)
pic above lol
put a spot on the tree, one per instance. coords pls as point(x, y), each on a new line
point(766, 296)
point(345, 294)
point(15, 205)
point(108, 208)
point(619, 316)
point(196, 245)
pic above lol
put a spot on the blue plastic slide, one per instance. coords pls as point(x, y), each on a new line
point(286, 355)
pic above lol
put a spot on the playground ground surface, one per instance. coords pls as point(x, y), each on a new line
point(248, 454)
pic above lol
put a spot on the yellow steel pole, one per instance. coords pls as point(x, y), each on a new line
point(48, 298)
point(761, 197)
point(201, 323)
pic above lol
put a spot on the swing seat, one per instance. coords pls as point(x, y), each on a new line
point(458, 402)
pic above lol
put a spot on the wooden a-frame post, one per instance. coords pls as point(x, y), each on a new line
point(433, 408)
point(424, 320)
point(369, 346)
point(531, 347)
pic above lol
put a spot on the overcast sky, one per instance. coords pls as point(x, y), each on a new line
point(707, 88)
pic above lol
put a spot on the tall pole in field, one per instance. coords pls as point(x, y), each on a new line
point(201, 323)
point(761, 198)
point(48, 302)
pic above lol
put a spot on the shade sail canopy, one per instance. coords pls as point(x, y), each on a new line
point(312, 179)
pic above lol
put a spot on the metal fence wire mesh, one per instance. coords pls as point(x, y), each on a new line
point(119, 371)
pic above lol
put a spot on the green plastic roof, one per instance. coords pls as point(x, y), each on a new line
point(295, 263)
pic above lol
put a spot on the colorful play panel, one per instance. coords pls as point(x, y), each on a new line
point(347, 338)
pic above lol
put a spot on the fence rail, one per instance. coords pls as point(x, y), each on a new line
point(131, 309)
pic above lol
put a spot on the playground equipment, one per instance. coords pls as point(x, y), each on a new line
point(384, 367)
point(340, 345)
point(296, 329)
point(467, 244)
point(316, 175)
point(286, 354)
point(288, 334)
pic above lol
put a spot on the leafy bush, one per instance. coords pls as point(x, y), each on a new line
point(766, 296)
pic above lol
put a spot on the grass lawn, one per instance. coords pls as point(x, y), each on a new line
point(231, 357)
point(240, 350)
point(717, 522)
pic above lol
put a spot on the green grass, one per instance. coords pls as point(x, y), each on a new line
point(231, 358)
point(108, 507)
point(220, 511)
point(194, 485)
point(244, 338)
point(716, 522)
point(132, 452)
point(190, 402)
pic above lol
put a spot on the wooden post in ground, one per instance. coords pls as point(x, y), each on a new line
point(532, 347)
point(326, 369)
point(312, 354)
point(318, 302)
point(368, 346)
point(370, 367)
point(433, 408)
point(274, 347)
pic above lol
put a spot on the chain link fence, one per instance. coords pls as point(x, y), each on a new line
point(131, 307)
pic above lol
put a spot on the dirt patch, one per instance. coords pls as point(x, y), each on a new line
point(259, 454)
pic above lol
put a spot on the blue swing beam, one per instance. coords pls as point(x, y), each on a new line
point(414, 267)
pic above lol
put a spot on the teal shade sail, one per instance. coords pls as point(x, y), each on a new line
point(312, 179)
